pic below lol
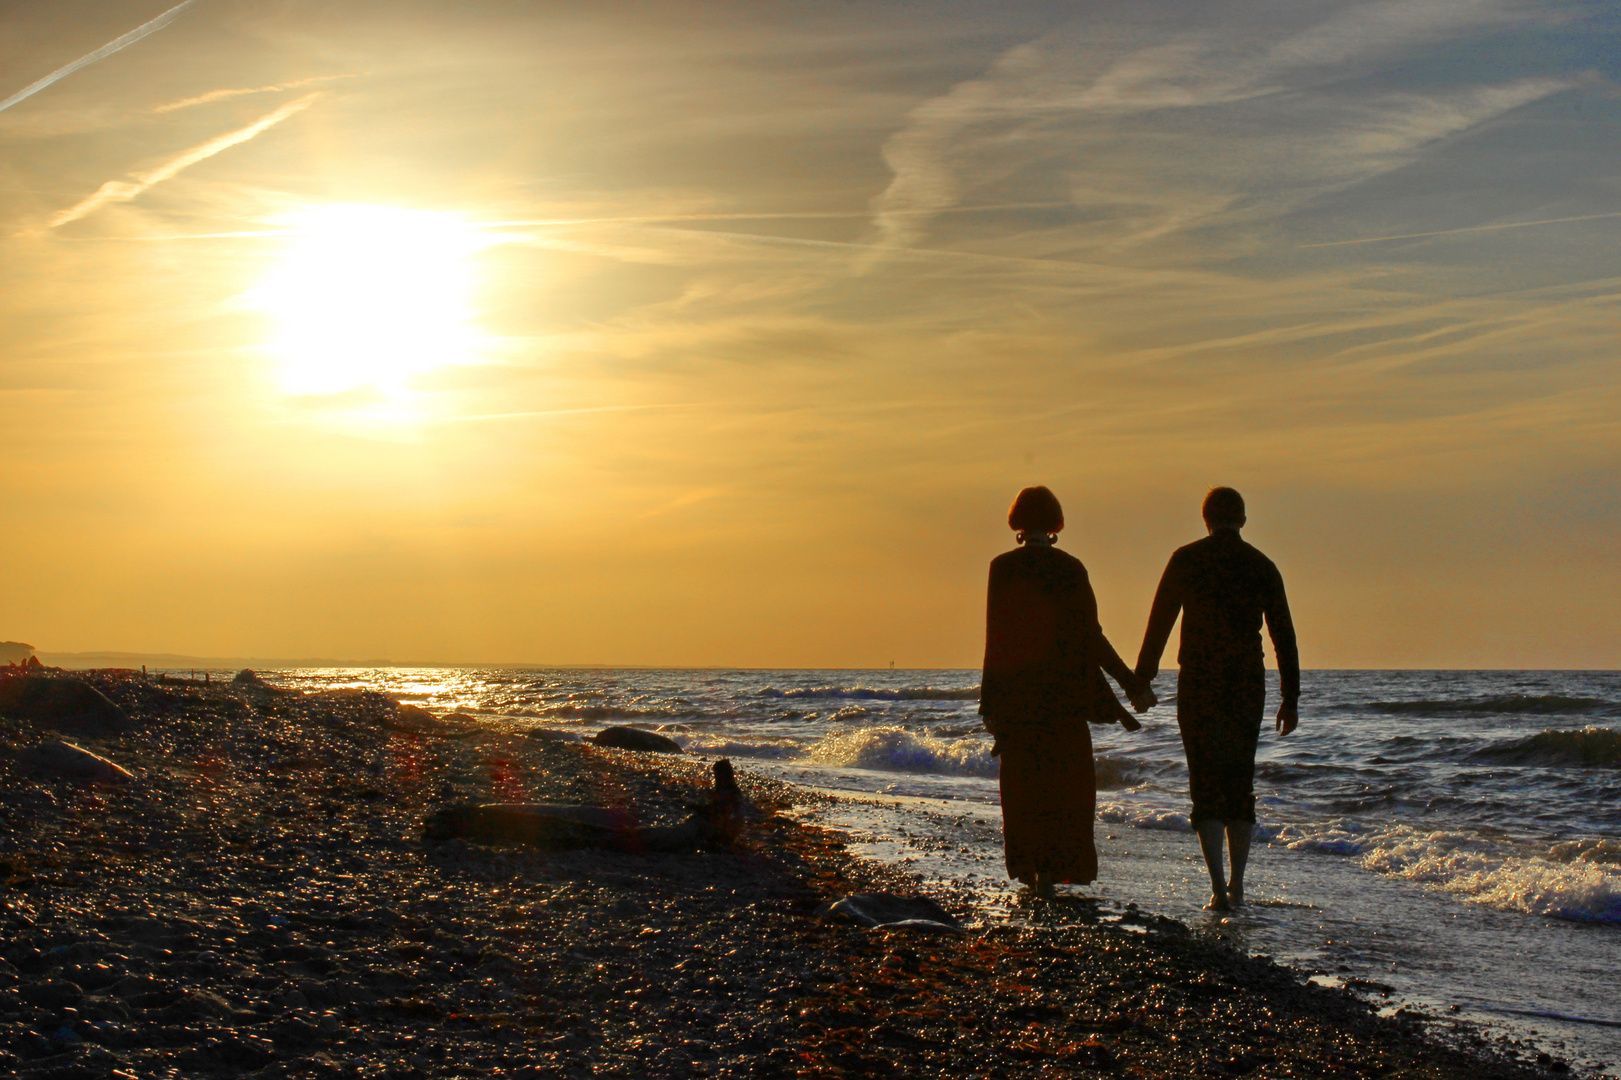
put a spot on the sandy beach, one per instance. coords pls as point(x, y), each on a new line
point(258, 898)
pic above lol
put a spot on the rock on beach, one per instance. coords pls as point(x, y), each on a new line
point(630, 738)
point(62, 702)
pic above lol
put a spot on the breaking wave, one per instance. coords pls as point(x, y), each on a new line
point(1590, 746)
point(1578, 880)
point(894, 749)
point(874, 693)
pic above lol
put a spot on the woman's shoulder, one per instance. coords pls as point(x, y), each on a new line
point(1043, 559)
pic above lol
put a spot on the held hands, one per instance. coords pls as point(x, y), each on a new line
point(1288, 717)
point(1142, 696)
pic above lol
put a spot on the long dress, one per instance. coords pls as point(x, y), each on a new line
point(1223, 588)
point(1040, 687)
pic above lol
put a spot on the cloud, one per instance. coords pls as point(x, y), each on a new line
point(1175, 134)
point(123, 190)
point(223, 95)
point(124, 42)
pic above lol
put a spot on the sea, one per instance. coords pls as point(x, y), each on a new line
point(1445, 842)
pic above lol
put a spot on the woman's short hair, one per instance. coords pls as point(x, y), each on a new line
point(1223, 506)
point(1035, 510)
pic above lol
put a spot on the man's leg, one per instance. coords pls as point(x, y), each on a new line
point(1238, 843)
point(1211, 833)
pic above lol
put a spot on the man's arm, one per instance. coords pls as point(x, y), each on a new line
point(1161, 617)
point(1281, 626)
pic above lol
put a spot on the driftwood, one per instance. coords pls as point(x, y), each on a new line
point(561, 827)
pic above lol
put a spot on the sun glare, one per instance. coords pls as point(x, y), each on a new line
point(367, 298)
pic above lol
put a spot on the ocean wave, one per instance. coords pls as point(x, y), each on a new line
point(875, 693)
point(1590, 746)
point(894, 749)
point(1113, 773)
point(716, 747)
point(1559, 882)
point(1523, 704)
point(608, 712)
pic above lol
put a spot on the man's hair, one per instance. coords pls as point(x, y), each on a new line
point(1223, 506)
point(1035, 510)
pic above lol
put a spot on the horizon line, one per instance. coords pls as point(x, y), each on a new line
point(285, 663)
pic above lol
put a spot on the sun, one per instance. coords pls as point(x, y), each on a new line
point(368, 298)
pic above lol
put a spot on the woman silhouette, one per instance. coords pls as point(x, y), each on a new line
point(1043, 682)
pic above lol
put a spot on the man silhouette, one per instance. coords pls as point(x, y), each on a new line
point(1223, 588)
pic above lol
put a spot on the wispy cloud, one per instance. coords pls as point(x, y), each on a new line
point(223, 95)
point(1293, 104)
point(150, 27)
point(1466, 229)
point(124, 190)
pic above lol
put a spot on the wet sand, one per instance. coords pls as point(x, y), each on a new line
point(259, 900)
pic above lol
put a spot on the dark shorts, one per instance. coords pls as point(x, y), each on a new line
point(1219, 715)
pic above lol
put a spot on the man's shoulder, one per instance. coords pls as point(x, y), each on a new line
point(1222, 550)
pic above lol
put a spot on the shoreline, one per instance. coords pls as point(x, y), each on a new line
point(258, 900)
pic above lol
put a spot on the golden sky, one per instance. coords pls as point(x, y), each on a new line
point(723, 333)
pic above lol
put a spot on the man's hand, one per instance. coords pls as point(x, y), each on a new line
point(1142, 696)
point(1288, 717)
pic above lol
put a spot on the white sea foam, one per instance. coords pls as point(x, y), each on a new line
point(894, 749)
point(1141, 816)
point(1576, 884)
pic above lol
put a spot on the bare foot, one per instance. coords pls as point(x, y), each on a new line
point(1235, 895)
point(1218, 902)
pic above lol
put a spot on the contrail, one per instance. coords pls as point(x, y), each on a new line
point(124, 190)
point(102, 53)
point(1469, 228)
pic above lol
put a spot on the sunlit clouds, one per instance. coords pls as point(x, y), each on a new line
point(723, 333)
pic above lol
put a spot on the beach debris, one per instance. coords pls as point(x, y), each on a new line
point(887, 911)
point(62, 702)
point(714, 822)
point(66, 759)
point(630, 738)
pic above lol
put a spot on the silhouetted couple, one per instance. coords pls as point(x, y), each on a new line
point(1043, 682)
